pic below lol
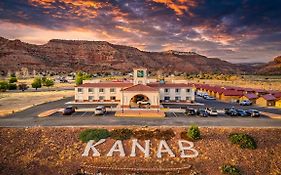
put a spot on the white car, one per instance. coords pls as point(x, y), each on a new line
point(212, 112)
point(143, 103)
point(100, 110)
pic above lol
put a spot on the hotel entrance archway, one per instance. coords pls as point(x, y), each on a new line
point(140, 101)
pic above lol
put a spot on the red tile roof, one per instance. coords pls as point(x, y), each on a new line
point(107, 84)
point(277, 95)
point(268, 97)
point(251, 96)
point(168, 85)
point(232, 93)
point(140, 87)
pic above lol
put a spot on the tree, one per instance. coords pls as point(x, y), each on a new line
point(49, 82)
point(23, 86)
point(37, 83)
point(43, 80)
point(78, 80)
point(13, 79)
point(80, 76)
point(3, 86)
point(12, 86)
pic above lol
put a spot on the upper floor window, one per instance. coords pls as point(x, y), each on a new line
point(101, 97)
point(187, 90)
point(101, 90)
point(177, 98)
point(112, 98)
point(177, 90)
point(80, 90)
point(91, 90)
point(112, 90)
point(166, 90)
point(91, 98)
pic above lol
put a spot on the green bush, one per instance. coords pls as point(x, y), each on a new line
point(13, 79)
point(121, 134)
point(143, 134)
point(94, 134)
point(243, 140)
point(230, 169)
point(12, 86)
point(37, 83)
point(193, 132)
point(3, 86)
point(164, 135)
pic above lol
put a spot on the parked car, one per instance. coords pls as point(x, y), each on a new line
point(209, 98)
point(253, 113)
point(68, 110)
point(100, 110)
point(241, 112)
point(190, 111)
point(230, 111)
point(245, 103)
point(212, 111)
point(202, 112)
point(143, 103)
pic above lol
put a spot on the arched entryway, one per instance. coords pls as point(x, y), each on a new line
point(140, 101)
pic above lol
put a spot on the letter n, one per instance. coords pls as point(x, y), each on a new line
point(144, 149)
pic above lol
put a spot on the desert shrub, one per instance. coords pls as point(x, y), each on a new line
point(193, 132)
point(164, 135)
point(230, 169)
point(13, 79)
point(3, 86)
point(143, 134)
point(121, 134)
point(243, 140)
point(12, 86)
point(94, 134)
point(23, 86)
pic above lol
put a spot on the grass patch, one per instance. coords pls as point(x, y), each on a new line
point(94, 134)
point(243, 140)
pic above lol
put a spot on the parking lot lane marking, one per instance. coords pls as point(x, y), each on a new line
point(175, 114)
point(83, 114)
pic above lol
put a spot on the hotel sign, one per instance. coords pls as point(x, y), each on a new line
point(185, 148)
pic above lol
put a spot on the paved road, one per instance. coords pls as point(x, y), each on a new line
point(29, 118)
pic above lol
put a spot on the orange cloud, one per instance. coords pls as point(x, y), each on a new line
point(179, 6)
point(131, 30)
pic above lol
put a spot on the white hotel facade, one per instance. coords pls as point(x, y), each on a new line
point(138, 93)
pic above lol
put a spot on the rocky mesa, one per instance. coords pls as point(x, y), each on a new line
point(93, 56)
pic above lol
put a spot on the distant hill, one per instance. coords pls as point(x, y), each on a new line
point(95, 56)
point(273, 67)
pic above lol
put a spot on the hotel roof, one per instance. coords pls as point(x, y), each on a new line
point(169, 85)
point(140, 87)
point(251, 96)
point(268, 97)
point(107, 84)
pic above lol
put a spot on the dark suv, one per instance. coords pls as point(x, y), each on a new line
point(68, 110)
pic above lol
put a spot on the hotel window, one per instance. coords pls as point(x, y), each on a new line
point(166, 90)
point(177, 90)
point(187, 98)
point(91, 90)
point(177, 98)
point(166, 98)
point(188, 90)
point(91, 98)
point(80, 90)
point(101, 97)
point(112, 90)
point(101, 90)
point(112, 98)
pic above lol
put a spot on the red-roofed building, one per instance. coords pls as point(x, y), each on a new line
point(266, 100)
point(231, 95)
point(134, 94)
point(249, 96)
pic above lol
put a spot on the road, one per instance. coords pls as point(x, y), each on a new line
point(28, 118)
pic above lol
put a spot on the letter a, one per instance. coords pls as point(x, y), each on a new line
point(189, 148)
point(117, 147)
point(90, 146)
point(167, 149)
point(145, 149)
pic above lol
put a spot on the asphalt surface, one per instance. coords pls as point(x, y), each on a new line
point(28, 118)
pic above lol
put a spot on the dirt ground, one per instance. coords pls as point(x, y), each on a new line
point(46, 150)
point(16, 101)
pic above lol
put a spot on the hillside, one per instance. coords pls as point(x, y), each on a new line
point(273, 67)
point(93, 56)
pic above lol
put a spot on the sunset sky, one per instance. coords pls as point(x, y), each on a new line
point(233, 30)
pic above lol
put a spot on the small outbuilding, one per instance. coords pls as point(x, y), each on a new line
point(266, 100)
point(249, 96)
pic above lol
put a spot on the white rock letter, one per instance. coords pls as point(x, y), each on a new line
point(188, 148)
point(144, 149)
point(117, 147)
point(90, 146)
point(167, 149)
